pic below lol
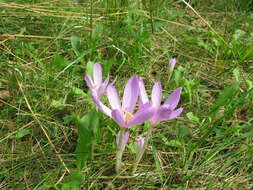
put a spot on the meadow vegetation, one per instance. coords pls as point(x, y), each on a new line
point(47, 47)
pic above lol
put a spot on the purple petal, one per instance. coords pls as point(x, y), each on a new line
point(173, 99)
point(157, 94)
point(131, 93)
point(175, 113)
point(160, 113)
point(102, 89)
point(89, 82)
point(106, 81)
point(107, 111)
point(97, 74)
point(143, 93)
point(143, 114)
point(164, 113)
point(113, 97)
point(117, 116)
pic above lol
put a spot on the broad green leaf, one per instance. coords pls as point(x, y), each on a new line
point(73, 181)
point(192, 117)
point(58, 103)
point(20, 133)
point(175, 143)
point(78, 59)
point(87, 130)
point(89, 68)
point(59, 62)
point(75, 42)
point(249, 83)
point(78, 92)
point(163, 138)
point(132, 147)
point(107, 66)
point(183, 131)
point(97, 32)
point(68, 118)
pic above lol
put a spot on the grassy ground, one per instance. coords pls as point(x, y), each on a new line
point(45, 47)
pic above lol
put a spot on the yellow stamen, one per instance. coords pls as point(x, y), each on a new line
point(128, 116)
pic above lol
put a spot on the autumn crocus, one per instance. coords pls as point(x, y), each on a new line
point(140, 146)
point(95, 83)
point(124, 113)
point(163, 112)
point(172, 63)
point(166, 111)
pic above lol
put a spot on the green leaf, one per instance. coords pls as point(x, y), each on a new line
point(132, 147)
point(238, 34)
point(175, 143)
point(236, 73)
point(59, 62)
point(87, 131)
point(192, 117)
point(68, 118)
point(234, 129)
point(76, 43)
point(73, 181)
point(249, 84)
point(97, 32)
point(78, 92)
point(183, 131)
point(20, 133)
point(248, 54)
point(107, 65)
point(89, 68)
point(225, 97)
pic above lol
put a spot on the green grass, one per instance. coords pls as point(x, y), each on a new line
point(45, 47)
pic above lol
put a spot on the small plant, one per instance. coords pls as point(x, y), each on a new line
point(125, 113)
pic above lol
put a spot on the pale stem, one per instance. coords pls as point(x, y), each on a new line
point(92, 149)
point(121, 147)
point(170, 74)
point(140, 154)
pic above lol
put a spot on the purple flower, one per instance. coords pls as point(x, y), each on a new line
point(172, 64)
point(140, 143)
point(167, 110)
point(124, 114)
point(97, 86)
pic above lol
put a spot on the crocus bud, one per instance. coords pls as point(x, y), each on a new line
point(172, 64)
point(125, 137)
point(140, 143)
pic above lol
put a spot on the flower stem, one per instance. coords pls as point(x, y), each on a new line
point(170, 74)
point(121, 147)
point(140, 154)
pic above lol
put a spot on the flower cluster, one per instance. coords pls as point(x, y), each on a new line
point(127, 113)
